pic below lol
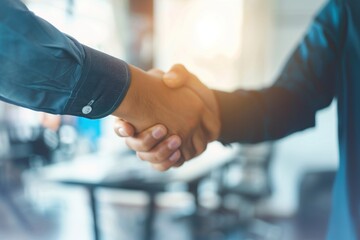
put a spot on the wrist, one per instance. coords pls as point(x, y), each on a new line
point(128, 107)
point(138, 105)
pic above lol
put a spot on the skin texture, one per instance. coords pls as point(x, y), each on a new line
point(186, 120)
point(160, 144)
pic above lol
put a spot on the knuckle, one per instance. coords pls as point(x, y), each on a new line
point(158, 157)
point(151, 157)
point(143, 146)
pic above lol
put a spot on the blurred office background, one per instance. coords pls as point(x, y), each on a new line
point(65, 178)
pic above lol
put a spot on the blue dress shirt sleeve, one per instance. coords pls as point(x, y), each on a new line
point(306, 84)
point(43, 69)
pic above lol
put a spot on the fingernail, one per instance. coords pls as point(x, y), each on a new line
point(175, 156)
point(122, 132)
point(158, 133)
point(174, 144)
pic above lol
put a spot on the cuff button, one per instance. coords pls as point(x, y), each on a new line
point(86, 110)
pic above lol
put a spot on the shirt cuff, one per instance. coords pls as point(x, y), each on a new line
point(101, 88)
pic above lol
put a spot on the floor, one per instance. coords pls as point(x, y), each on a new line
point(62, 213)
point(58, 212)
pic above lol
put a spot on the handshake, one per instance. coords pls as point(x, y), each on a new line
point(167, 118)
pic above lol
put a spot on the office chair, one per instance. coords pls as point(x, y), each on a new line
point(242, 184)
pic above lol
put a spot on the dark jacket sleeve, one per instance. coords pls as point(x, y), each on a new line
point(306, 84)
point(43, 69)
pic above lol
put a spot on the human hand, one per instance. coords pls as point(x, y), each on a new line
point(190, 119)
point(154, 144)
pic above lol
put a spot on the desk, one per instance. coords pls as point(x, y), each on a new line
point(104, 171)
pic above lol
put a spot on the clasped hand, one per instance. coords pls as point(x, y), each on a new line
point(180, 118)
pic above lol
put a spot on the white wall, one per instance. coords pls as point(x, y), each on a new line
point(204, 35)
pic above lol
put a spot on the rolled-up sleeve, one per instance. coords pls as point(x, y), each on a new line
point(43, 69)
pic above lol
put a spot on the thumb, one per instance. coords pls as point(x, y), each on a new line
point(176, 77)
point(156, 72)
point(123, 128)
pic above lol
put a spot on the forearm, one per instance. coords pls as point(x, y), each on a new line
point(256, 116)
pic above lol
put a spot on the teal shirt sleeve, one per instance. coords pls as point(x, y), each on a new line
point(43, 69)
point(306, 84)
